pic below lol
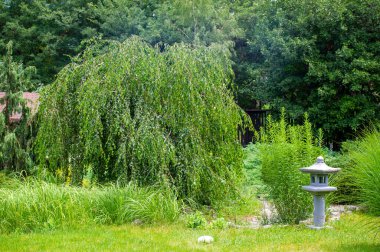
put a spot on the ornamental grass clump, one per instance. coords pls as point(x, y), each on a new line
point(36, 205)
point(284, 149)
point(365, 171)
point(132, 112)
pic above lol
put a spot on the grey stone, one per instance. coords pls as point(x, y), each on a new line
point(318, 188)
point(205, 239)
point(137, 222)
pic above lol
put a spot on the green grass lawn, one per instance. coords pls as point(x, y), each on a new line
point(349, 234)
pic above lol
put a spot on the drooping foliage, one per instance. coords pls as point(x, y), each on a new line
point(15, 138)
point(358, 181)
point(365, 171)
point(133, 113)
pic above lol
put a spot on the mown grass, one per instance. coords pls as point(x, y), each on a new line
point(348, 234)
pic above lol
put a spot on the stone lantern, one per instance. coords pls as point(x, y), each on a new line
point(318, 188)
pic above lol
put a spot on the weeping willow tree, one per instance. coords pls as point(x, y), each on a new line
point(135, 113)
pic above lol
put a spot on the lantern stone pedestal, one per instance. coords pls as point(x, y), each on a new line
point(319, 188)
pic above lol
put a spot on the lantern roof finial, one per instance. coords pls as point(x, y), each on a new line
point(320, 159)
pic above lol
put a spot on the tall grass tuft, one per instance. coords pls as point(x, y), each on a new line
point(366, 169)
point(283, 150)
point(39, 205)
point(347, 189)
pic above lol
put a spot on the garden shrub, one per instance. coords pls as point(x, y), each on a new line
point(218, 223)
point(284, 149)
point(199, 221)
point(149, 115)
point(196, 220)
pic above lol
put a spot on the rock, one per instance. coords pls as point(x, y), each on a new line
point(307, 221)
point(137, 222)
point(205, 239)
point(334, 217)
point(352, 208)
point(337, 210)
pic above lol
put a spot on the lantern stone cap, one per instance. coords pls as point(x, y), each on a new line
point(321, 189)
point(319, 167)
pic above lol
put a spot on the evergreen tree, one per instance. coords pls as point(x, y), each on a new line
point(14, 145)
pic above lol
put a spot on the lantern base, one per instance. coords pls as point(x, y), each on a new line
point(318, 228)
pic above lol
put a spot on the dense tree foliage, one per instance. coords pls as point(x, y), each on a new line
point(322, 57)
point(15, 138)
point(134, 113)
point(46, 32)
point(287, 53)
point(193, 21)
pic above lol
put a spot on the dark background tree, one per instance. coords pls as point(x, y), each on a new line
point(320, 57)
point(46, 33)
